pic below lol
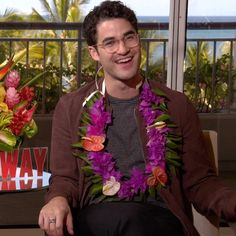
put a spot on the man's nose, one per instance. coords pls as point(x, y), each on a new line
point(122, 48)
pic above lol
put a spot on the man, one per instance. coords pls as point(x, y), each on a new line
point(114, 153)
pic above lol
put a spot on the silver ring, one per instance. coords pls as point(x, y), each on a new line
point(52, 221)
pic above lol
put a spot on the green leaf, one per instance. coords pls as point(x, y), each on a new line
point(159, 92)
point(21, 54)
point(5, 119)
point(31, 81)
point(171, 125)
point(158, 187)
point(87, 170)
point(85, 116)
point(5, 148)
point(171, 144)
point(84, 158)
point(96, 179)
point(95, 189)
point(173, 162)
point(8, 138)
point(82, 131)
point(152, 192)
point(162, 117)
point(172, 155)
point(30, 129)
point(163, 106)
point(77, 145)
point(83, 155)
point(174, 137)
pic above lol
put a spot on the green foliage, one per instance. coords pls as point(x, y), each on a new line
point(207, 84)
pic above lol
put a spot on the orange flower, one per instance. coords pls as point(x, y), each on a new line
point(158, 176)
point(151, 181)
point(93, 143)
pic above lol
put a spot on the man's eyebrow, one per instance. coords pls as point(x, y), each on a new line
point(129, 32)
point(112, 38)
point(107, 39)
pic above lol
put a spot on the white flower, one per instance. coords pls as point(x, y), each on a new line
point(111, 187)
point(157, 125)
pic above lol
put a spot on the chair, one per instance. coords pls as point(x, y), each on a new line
point(202, 224)
point(233, 227)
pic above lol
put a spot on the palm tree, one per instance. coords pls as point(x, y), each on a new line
point(11, 15)
point(59, 11)
point(205, 83)
point(53, 11)
point(155, 61)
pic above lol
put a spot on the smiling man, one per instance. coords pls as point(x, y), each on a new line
point(127, 153)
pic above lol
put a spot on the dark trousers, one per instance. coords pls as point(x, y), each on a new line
point(127, 219)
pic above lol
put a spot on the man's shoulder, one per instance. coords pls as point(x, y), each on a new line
point(178, 104)
point(78, 96)
point(172, 95)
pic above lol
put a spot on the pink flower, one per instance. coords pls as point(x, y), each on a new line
point(12, 79)
point(12, 97)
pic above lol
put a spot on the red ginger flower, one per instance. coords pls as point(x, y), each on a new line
point(27, 94)
point(20, 118)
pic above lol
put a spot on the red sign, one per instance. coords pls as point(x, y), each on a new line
point(23, 158)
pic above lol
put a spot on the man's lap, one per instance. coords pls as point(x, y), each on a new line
point(127, 219)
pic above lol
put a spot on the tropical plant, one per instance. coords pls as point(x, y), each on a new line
point(63, 11)
point(153, 60)
point(207, 83)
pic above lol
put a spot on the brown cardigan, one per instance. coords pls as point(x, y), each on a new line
point(196, 183)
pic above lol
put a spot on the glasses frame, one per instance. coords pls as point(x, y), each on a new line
point(117, 41)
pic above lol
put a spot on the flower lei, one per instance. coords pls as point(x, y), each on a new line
point(106, 180)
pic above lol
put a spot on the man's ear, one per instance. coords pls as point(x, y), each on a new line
point(93, 53)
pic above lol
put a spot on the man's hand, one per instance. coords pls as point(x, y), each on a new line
point(54, 215)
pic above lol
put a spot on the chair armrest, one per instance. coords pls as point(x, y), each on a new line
point(233, 226)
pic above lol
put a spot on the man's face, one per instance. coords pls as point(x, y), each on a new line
point(123, 62)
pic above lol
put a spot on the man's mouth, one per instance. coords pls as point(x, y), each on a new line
point(124, 60)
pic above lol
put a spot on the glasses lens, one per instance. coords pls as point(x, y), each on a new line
point(130, 41)
point(111, 45)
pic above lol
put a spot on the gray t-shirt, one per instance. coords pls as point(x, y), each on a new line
point(123, 138)
point(124, 141)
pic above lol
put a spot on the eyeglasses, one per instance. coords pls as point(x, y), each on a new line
point(130, 40)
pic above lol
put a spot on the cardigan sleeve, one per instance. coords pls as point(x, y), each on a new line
point(63, 166)
point(208, 193)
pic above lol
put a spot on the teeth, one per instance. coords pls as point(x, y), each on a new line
point(124, 60)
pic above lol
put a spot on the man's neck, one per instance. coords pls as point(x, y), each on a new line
point(123, 89)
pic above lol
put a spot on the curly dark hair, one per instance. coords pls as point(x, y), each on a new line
point(106, 10)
